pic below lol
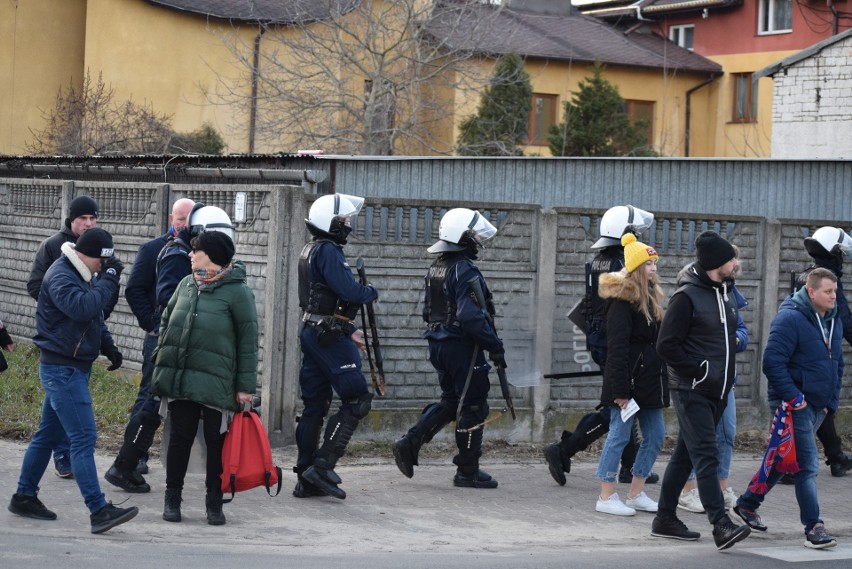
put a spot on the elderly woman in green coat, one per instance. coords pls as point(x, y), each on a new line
point(205, 365)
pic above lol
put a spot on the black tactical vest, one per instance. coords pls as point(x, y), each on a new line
point(442, 310)
point(314, 297)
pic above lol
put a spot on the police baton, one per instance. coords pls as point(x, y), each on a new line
point(377, 369)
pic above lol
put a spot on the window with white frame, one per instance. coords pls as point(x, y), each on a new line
point(684, 36)
point(774, 16)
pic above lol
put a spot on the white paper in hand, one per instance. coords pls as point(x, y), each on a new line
point(630, 410)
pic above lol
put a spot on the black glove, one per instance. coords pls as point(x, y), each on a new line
point(114, 356)
point(498, 358)
point(112, 268)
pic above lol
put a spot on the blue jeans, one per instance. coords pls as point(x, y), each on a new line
point(805, 423)
point(67, 408)
point(726, 432)
point(148, 347)
point(653, 431)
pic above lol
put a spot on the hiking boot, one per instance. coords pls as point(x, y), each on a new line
point(750, 517)
point(726, 533)
point(30, 507)
point(787, 479)
point(62, 463)
point(171, 504)
point(555, 464)
point(670, 527)
point(325, 480)
point(142, 466)
point(109, 516)
point(641, 503)
point(690, 501)
point(128, 481)
point(213, 506)
point(404, 457)
point(480, 479)
point(613, 505)
point(819, 538)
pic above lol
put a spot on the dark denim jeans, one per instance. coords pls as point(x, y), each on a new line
point(67, 408)
point(695, 447)
point(805, 423)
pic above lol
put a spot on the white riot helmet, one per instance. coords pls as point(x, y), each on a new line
point(210, 218)
point(461, 227)
point(828, 241)
point(329, 214)
point(617, 219)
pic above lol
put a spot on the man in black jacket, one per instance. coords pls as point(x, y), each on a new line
point(697, 340)
point(82, 215)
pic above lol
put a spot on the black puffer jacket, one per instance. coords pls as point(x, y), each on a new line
point(698, 335)
point(633, 368)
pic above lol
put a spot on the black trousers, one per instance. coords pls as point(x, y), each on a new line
point(184, 416)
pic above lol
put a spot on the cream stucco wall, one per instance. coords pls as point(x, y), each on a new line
point(41, 50)
point(746, 140)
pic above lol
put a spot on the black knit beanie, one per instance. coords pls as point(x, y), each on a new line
point(217, 245)
point(712, 250)
point(95, 242)
point(82, 205)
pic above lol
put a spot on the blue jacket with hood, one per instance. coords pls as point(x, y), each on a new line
point(800, 358)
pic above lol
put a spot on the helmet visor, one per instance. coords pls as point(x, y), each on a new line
point(639, 218)
point(845, 243)
point(482, 227)
point(346, 205)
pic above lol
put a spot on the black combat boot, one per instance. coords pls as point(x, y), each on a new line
point(321, 474)
point(305, 489)
point(406, 450)
point(171, 507)
point(468, 474)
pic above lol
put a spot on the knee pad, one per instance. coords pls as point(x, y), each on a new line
point(359, 407)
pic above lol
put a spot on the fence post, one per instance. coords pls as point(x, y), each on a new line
point(544, 309)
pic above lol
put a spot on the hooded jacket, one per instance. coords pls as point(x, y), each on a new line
point(633, 368)
point(207, 350)
point(70, 327)
point(698, 334)
point(799, 359)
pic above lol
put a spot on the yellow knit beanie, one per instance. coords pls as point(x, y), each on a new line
point(636, 253)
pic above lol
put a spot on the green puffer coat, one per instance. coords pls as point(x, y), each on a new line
point(207, 350)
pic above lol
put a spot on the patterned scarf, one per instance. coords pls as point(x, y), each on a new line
point(781, 450)
point(204, 278)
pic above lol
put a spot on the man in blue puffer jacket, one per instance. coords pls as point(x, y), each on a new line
point(803, 356)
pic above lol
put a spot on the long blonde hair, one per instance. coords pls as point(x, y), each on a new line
point(651, 296)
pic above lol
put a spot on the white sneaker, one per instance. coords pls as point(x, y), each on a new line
point(730, 498)
point(690, 501)
point(642, 502)
point(613, 505)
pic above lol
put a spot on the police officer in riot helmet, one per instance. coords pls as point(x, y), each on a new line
point(609, 258)
point(330, 298)
point(827, 248)
point(172, 265)
point(456, 327)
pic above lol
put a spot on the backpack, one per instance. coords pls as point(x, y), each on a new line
point(247, 456)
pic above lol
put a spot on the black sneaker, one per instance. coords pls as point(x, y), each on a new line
point(750, 518)
point(480, 479)
point(109, 516)
point(129, 481)
point(726, 533)
point(653, 478)
point(305, 489)
point(672, 528)
point(30, 507)
point(142, 467)
point(553, 457)
point(819, 538)
point(837, 469)
point(625, 476)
